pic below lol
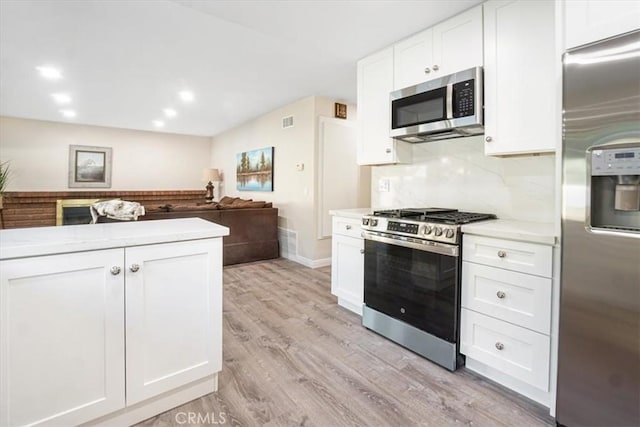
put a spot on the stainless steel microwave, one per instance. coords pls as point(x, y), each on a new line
point(446, 107)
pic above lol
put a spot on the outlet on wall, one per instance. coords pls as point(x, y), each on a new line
point(384, 185)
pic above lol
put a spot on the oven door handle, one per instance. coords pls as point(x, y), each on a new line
point(435, 247)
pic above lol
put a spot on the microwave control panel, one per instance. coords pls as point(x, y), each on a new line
point(615, 161)
point(463, 99)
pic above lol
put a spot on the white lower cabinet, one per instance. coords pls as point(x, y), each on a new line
point(347, 264)
point(62, 338)
point(518, 352)
point(86, 334)
point(173, 335)
point(506, 315)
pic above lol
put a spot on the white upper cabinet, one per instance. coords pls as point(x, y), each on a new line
point(451, 46)
point(520, 76)
point(593, 20)
point(457, 42)
point(413, 60)
point(375, 82)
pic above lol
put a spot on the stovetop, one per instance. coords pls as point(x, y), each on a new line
point(437, 215)
point(425, 224)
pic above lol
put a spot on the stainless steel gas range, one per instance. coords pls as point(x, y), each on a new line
point(412, 279)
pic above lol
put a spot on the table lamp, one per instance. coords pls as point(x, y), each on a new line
point(211, 175)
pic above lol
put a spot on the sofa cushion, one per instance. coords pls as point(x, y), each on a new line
point(244, 204)
point(226, 200)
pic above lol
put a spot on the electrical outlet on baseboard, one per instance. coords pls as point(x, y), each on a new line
point(384, 185)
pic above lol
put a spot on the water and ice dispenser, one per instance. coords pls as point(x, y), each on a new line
point(615, 187)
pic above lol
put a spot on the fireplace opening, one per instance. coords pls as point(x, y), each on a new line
point(74, 211)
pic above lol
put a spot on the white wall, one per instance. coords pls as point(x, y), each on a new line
point(455, 173)
point(38, 152)
point(294, 192)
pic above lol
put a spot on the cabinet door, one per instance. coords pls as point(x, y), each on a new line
point(61, 338)
point(375, 82)
point(413, 60)
point(593, 20)
point(174, 306)
point(457, 43)
point(347, 273)
point(520, 76)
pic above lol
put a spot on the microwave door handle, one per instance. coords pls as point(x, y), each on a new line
point(449, 101)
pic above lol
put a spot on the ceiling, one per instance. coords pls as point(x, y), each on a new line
point(123, 62)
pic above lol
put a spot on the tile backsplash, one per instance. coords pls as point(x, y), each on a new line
point(455, 173)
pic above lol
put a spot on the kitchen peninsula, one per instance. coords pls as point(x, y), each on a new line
point(108, 323)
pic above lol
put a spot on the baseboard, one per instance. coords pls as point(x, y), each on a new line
point(159, 404)
point(311, 263)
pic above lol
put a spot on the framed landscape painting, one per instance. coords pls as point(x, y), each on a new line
point(89, 167)
point(254, 170)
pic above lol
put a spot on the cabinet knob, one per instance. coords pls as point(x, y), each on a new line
point(361, 251)
point(427, 70)
point(488, 139)
point(502, 254)
point(388, 150)
point(348, 227)
point(436, 68)
point(134, 268)
point(501, 294)
point(115, 270)
point(499, 345)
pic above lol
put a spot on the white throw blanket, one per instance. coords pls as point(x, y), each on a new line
point(116, 209)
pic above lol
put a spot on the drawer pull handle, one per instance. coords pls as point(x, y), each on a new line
point(499, 345)
point(501, 294)
point(361, 251)
point(348, 227)
point(115, 270)
point(134, 268)
point(502, 254)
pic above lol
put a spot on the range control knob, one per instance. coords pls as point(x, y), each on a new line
point(449, 233)
point(365, 221)
point(438, 231)
point(373, 222)
point(427, 229)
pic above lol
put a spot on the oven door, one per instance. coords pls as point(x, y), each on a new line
point(413, 282)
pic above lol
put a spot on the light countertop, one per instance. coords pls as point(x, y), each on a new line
point(533, 232)
point(36, 241)
point(351, 213)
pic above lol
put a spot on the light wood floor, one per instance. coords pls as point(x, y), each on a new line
point(292, 356)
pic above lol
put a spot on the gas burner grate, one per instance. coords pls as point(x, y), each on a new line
point(410, 212)
point(457, 217)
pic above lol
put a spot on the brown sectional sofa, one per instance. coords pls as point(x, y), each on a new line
point(253, 226)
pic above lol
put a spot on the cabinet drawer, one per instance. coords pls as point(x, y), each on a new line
point(518, 298)
point(347, 227)
point(531, 258)
point(515, 351)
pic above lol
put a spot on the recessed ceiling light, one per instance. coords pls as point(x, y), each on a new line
point(186, 95)
point(61, 98)
point(170, 112)
point(49, 72)
point(158, 123)
point(68, 113)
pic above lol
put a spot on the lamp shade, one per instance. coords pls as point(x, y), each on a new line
point(211, 175)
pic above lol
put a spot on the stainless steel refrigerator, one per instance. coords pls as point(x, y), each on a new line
point(599, 340)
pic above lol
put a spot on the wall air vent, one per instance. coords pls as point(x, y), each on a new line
point(287, 122)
